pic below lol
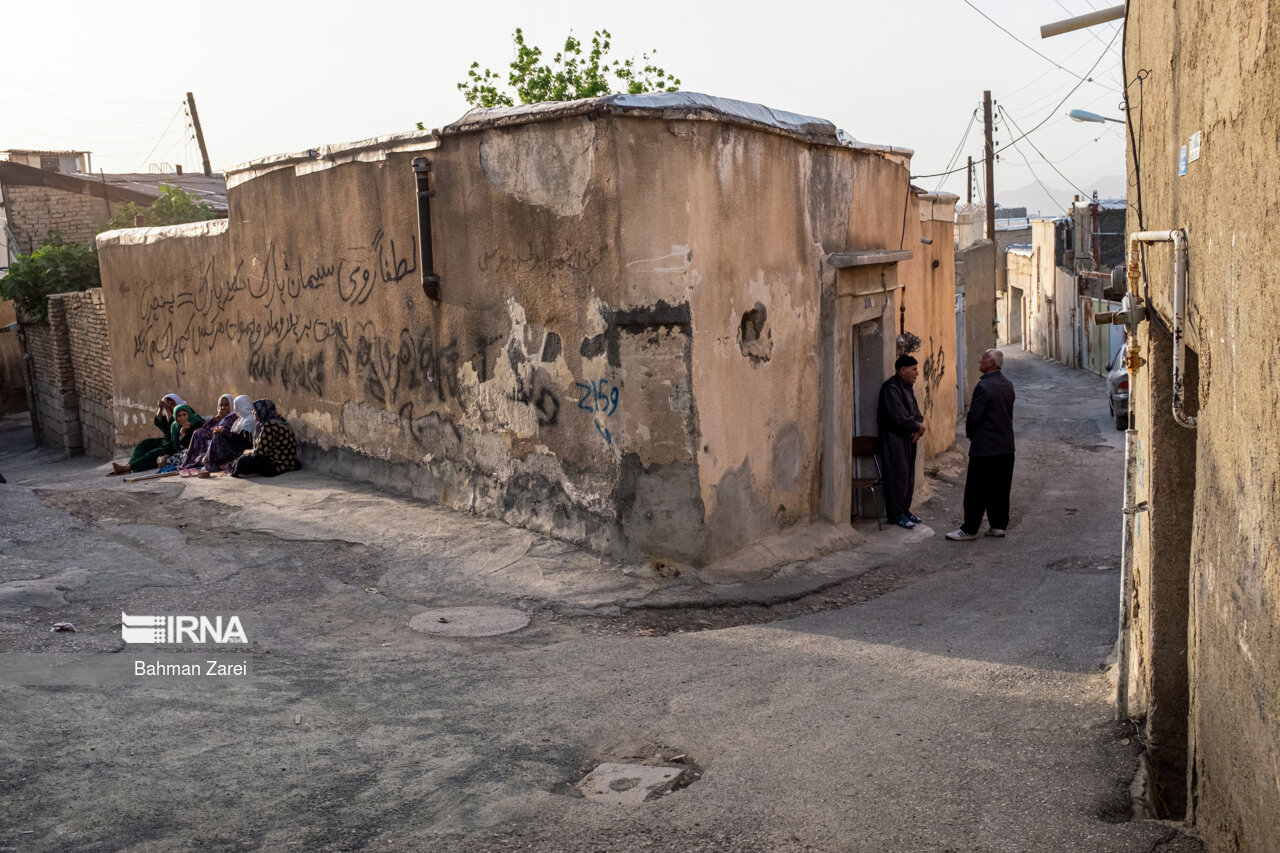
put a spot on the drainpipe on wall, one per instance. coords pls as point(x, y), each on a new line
point(1131, 315)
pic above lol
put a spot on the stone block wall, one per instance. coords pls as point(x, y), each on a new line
point(35, 211)
point(71, 376)
point(90, 352)
point(53, 393)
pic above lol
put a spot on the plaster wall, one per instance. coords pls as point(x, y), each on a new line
point(625, 354)
point(1213, 69)
point(13, 382)
point(928, 295)
point(1009, 305)
point(975, 278)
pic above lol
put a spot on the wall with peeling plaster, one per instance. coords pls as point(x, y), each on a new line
point(626, 353)
point(1207, 637)
point(928, 297)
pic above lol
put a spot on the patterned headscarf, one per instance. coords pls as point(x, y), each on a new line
point(265, 411)
point(177, 401)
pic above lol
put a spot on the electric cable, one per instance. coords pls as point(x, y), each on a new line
point(163, 133)
point(972, 118)
point(1084, 79)
point(1048, 162)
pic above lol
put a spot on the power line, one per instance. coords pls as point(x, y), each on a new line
point(163, 134)
point(1048, 162)
point(972, 117)
point(1084, 79)
point(91, 100)
point(1054, 111)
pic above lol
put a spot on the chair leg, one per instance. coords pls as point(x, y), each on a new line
point(880, 507)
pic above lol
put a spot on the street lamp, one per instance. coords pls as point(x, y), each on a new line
point(1085, 115)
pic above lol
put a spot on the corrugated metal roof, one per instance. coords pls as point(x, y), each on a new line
point(211, 190)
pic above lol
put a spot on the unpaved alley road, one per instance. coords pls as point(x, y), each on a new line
point(954, 698)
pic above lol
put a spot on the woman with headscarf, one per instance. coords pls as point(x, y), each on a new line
point(148, 452)
point(201, 437)
point(185, 423)
point(275, 447)
point(229, 441)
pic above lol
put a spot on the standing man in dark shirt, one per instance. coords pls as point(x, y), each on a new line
point(989, 426)
point(900, 425)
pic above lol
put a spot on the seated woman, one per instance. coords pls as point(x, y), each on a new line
point(149, 450)
point(228, 442)
point(275, 448)
point(200, 439)
point(185, 423)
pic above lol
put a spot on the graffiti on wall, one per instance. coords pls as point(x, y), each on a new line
point(933, 369)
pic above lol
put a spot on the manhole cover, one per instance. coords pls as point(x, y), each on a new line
point(469, 621)
point(626, 784)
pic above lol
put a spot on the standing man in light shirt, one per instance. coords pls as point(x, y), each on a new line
point(989, 426)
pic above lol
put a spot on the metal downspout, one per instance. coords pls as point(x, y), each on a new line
point(1179, 330)
point(1131, 316)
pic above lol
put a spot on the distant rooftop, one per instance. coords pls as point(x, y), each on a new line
point(211, 190)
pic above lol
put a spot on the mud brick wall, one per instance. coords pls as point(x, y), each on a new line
point(90, 354)
point(71, 375)
point(35, 211)
point(53, 389)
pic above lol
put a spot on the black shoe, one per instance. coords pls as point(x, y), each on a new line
point(905, 523)
point(913, 519)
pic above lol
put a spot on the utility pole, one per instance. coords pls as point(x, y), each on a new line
point(969, 188)
point(991, 166)
point(208, 171)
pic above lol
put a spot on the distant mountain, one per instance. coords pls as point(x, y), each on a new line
point(1057, 200)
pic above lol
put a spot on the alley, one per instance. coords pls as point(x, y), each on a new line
point(955, 697)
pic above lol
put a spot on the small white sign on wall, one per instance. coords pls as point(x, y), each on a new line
point(1182, 161)
point(1193, 153)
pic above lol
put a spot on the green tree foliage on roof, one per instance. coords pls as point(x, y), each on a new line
point(56, 267)
point(174, 206)
point(570, 75)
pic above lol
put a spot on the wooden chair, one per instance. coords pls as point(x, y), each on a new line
point(868, 447)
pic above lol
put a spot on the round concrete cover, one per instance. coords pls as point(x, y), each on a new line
point(469, 621)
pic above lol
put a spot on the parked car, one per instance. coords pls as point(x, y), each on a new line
point(1118, 389)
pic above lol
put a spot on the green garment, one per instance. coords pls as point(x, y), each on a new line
point(177, 441)
point(148, 452)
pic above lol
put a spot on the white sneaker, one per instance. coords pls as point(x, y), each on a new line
point(961, 536)
point(995, 531)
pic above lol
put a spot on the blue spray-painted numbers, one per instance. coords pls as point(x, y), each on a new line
point(598, 396)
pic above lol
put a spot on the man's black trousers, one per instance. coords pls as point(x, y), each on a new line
point(986, 491)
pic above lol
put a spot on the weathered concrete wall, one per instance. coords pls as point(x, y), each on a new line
point(1009, 305)
point(976, 279)
point(928, 295)
point(626, 349)
point(1213, 70)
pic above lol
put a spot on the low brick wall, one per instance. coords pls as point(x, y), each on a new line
point(71, 376)
point(35, 211)
point(90, 352)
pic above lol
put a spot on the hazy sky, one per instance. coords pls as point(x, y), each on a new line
point(274, 77)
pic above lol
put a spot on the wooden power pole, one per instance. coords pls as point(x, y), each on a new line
point(208, 171)
point(969, 187)
point(991, 166)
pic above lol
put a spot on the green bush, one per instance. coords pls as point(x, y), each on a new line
point(174, 206)
point(56, 267)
